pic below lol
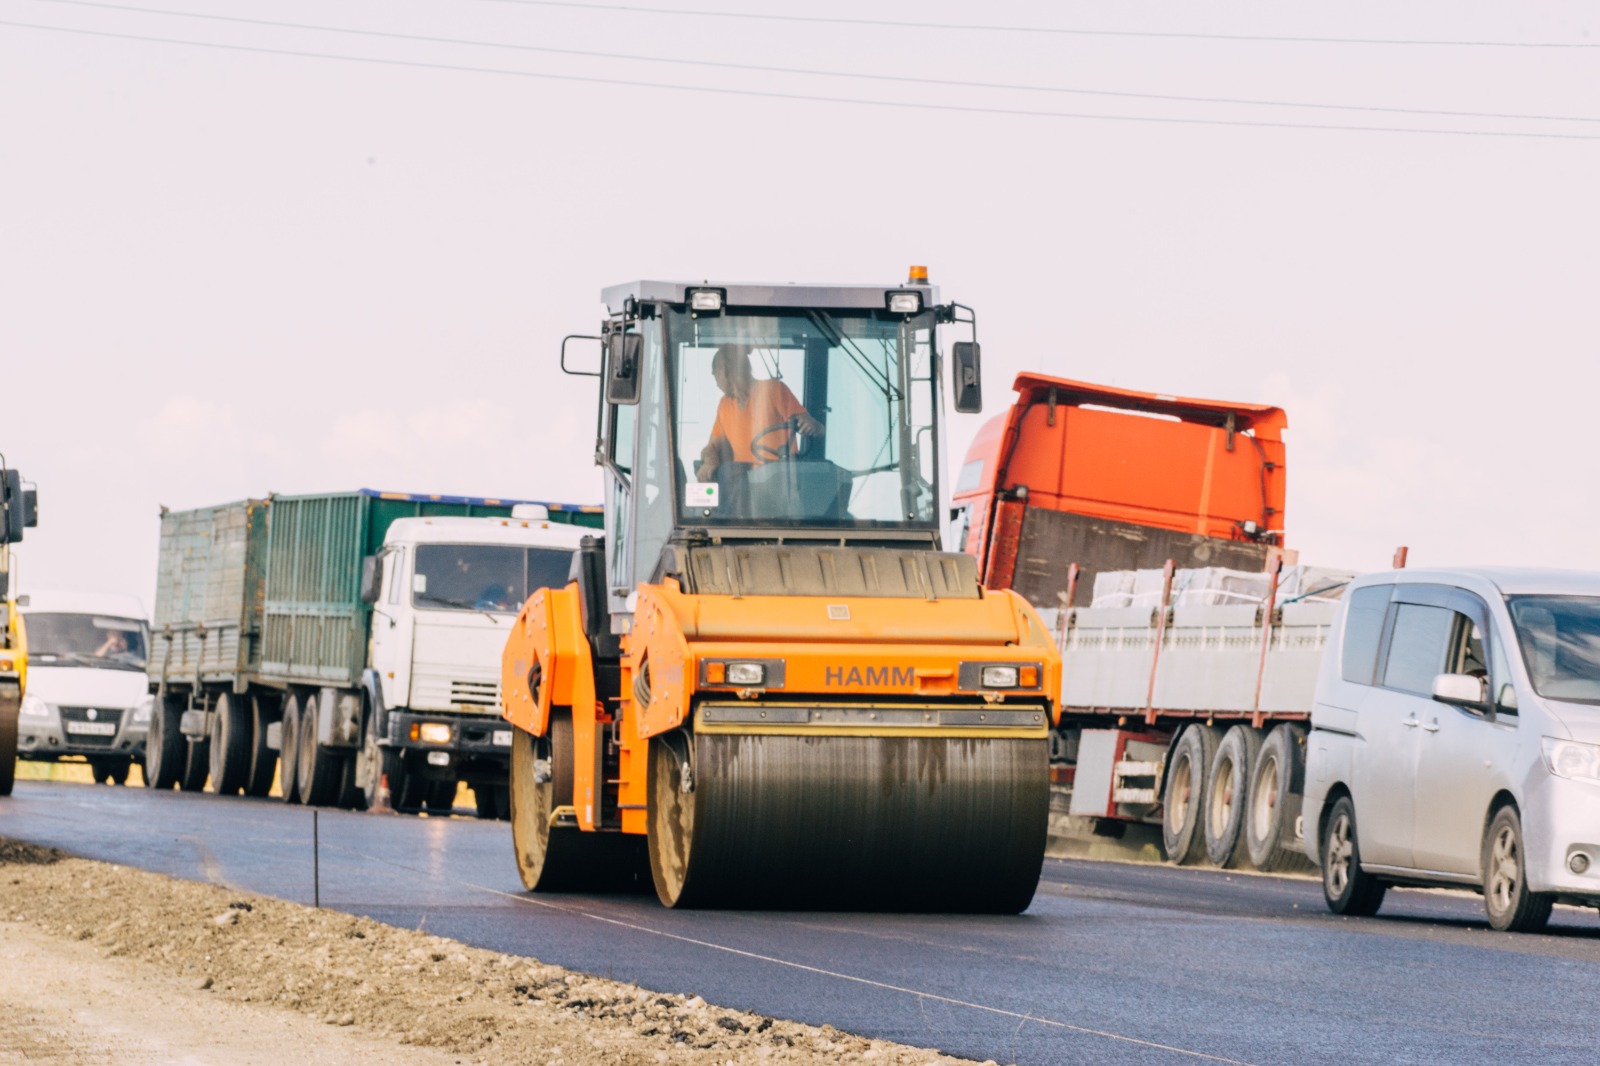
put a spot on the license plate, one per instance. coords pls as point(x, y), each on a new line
point(92, 729)
point(502, 738)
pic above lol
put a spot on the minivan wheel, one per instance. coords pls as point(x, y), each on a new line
point(1184, 794)
point(1345, 886)
point(1511, 906)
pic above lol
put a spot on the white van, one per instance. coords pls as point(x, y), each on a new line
point(87, 692)
point(1456, 741)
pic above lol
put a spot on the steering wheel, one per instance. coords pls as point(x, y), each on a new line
point(766, 453)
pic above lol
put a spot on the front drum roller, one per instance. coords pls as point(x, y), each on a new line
point(556, 857)
point(836, 822)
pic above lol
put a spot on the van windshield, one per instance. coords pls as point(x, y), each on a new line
point(1560, 639)
point(86, 640)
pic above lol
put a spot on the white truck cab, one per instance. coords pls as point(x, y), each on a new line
point(1456, 741)
point(87, 692)
point(448, 591)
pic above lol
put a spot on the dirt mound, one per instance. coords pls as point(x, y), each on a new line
point(409, 987)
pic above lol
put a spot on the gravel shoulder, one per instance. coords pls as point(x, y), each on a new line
point(106, 964)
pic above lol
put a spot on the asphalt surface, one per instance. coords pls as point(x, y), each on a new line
point(1113, 963)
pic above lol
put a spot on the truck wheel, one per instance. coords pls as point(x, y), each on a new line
point(111, 771)
point(380, 763)
point(321, 771)
point(289, 750)
point(493, 801)
point(230, 745)
point(9, 710)
point(196, 764)
point(1183, 799)
point(1511, 906)
point(441, 796)
point(263, 760)
point(1227, 794)
point(165, 749)
point(1347, 888)
point(1269, 816)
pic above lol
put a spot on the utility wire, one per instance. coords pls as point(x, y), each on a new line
point(981, 28)
point(809, 72)
point(809, 98)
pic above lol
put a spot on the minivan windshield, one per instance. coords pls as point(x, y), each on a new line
point(60, 639)
point(1560, 639)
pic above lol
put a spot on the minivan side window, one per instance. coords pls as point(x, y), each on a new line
point(1417, 649)
point(1363, 629)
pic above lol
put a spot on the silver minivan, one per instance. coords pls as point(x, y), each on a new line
point(1455, 740)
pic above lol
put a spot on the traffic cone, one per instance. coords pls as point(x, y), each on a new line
point(382, 806)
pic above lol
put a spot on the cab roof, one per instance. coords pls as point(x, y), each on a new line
point(100, 603)
point(758, 294)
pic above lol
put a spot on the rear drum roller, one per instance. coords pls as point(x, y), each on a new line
point(848, 822)
point(231, 736)
point(9, 710)
point(563, 858)
point(164, 746)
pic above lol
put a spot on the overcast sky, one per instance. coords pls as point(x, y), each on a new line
point(229, 272)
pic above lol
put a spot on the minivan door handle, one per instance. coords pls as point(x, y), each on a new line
point(1432, 727)
point(1411, 723)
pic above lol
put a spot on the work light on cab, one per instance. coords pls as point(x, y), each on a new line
point(705, 299)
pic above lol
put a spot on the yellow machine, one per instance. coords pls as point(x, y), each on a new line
point(18, 511)
point(767, 685)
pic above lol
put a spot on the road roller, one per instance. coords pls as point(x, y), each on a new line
point(767, 685)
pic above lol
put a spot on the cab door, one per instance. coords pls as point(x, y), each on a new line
point(1464, 753)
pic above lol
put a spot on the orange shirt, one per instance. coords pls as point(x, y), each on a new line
point(770, 403)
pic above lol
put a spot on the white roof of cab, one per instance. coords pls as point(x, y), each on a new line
point(101, 603)
point(455, 529)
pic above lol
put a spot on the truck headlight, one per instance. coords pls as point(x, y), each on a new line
point(141, 713)
point(431, 732)
point(34, 707)
point(1572, 759)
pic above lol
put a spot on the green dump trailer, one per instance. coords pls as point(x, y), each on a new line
point(264, 637)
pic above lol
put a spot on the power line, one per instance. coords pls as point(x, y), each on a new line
point(982, 28)
point(810, 72)
point(809, 98)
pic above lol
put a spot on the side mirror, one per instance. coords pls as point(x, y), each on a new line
point(30, 508)
point(966, 382)
point(1462, 690)
point(12, 517)
point(371, 575)
point(622, 367)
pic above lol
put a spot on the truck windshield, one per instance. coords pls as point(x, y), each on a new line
point(1560, 638)
point(804, 418)
point(485, 577)
point(87, 640)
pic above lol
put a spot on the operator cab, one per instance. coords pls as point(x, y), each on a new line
point(770, 414)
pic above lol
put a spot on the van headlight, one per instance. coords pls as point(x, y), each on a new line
point(34, 707)
point(141, 713)
point(1572, 759)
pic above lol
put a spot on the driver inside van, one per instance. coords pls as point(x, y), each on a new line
point(757, 420)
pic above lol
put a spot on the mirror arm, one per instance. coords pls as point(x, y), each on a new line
point(568, 370)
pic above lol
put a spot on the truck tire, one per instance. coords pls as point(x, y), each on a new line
point(1347, 888)
point(493, 801)
point(321, 770)
point(1183, 797)
point(165, 749)
point(9, 710)
point(289, 750)
point(230, 741)
point(1511, 906)
point(110, 771)
point(1270, 815)
point(441, 796)
point(381, 763)
point(263, 760)
point(1227, 795)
